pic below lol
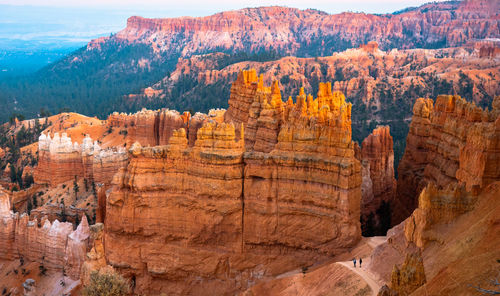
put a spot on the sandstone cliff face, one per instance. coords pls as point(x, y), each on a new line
point(450, 142)
point(312, 164)
point(53, 245)
point(292, 30)
point(187, 203)
point(379, 184)
point(455, 224)
point(95, 259)
point(436, 206)
point(153, 128)
point(273, 187)
point(60, 160)
point(243, 94)
point(456, 232)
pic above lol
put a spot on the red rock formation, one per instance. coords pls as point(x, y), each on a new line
point(462, 247)
point(195, 124)
point(386, 291)
point(379, 184)
point(76, 249)
point(60, 160)
point(101, 204)
point(7, 227)
point(313, 159)
point(212, 211)
point(489, 51)
point(268, 108)
point(436, 206)
point(287, 29)
point(53, 245)
point(456, 232)
point(54, 212)
point(243, 94)
point(451, 142)
point(370, 47)
point(19, 199)
point(452, 152)
point(378, 79)
point(151, 128)
point(202, 212)
point(95, 259)
point(409, 276)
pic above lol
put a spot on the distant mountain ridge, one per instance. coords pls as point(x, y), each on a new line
point(291, 31)
point(94, 79)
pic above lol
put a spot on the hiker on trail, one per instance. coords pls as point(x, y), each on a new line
point(354, 261)
point(360, 261)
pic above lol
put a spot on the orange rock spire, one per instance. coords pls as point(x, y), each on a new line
point(240, 189)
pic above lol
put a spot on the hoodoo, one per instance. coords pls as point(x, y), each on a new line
point(287, 187)
point(274, 187)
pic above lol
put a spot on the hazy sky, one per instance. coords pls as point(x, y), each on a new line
point(204, 7)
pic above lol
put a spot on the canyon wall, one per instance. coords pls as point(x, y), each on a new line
point(451, 164)
point(436, 206)
point(455, 232)
point(379, 185)
point(290, 30)
point(274, 187)
point(54, 245)
point(450, 142)
point(148, 127)
point(153, 128)
point(61, 160)
point(305, 192)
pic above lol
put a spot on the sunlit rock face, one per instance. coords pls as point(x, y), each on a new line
point(272, 187)
point(290, 29)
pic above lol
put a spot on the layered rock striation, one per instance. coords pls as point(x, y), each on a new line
point(451, 162)
point(450, 142)
point(290, 30)
point(153, 128)
point(274, 187)
point(150, 128)
point(312, 170)
point(379, 184)
point(55, 246)
point(61, 160)
point(436, 206)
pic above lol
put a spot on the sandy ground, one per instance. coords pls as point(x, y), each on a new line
point(13, 275)
point(365, 274)
point(335, 277)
